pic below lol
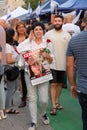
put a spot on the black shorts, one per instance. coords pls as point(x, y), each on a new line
point(58, 76)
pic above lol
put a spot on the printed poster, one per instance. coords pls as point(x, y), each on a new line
point(39, 68)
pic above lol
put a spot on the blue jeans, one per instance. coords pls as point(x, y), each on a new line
point(2, 94)
point(42, 90)
point(83, 102)
point(11, 89)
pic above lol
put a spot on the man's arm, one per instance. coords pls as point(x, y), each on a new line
point(0, 53)
point(70, 62)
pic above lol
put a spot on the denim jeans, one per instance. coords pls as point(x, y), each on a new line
point(83, 102)
point(2, 94)
point(12, 86)
point(42, 90)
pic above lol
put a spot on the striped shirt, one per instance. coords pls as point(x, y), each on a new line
point(78, 48)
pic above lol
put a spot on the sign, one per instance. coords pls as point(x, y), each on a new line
point(39, 68)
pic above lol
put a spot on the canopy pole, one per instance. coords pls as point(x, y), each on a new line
point(52, 18)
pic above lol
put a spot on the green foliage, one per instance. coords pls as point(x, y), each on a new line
point(46, 50)
point(33, 3)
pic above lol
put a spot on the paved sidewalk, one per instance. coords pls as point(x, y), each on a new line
point(20, 121)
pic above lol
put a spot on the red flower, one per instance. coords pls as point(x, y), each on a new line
point(46, 49)
point(48, 40)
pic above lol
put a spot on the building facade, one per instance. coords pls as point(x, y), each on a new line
point(3, 4)
point(15, 3)
point(12, 3)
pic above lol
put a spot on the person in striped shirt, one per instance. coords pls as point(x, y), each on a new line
point(77, 53)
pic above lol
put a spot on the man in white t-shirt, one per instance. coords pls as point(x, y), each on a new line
point(60, 40)
point(70, 27)
point(73, 30)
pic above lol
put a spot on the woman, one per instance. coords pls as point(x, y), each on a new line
point(20, 37)
point(2, 63)
point(35, 42)
point(11, 57)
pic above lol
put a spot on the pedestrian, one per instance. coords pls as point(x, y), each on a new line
point(77, 53)
point(60, 41)
point(73, 29)
point(69, 26)
point(11, 58)
point(2, 63)
point(20, 36)
point(34, 42)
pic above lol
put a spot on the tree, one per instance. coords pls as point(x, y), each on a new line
point(33, 3)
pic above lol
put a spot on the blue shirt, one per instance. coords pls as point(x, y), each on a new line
point(78, 48)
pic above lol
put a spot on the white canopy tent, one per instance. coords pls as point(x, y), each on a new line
point(17, 13)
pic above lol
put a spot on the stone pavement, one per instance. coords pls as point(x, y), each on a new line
point(20, 121)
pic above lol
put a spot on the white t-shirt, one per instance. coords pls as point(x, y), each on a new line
point(60, 42)
point(71, 28)
point(10, 49)
point(28, 45)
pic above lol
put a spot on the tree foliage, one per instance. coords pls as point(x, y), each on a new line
point(33, 3)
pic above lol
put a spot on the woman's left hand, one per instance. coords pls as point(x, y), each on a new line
point(47, 56)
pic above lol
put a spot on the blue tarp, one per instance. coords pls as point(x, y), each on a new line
point(74, 4)
point(45, 8)
point(66, 6)
point(81, 4)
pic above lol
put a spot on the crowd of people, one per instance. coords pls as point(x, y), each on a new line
point(65, 39)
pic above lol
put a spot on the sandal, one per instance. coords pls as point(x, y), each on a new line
point(12, 111)
point(58, 106)
point(53, 111)
point(2, 114)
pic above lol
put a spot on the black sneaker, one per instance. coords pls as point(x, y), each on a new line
point(45, 119)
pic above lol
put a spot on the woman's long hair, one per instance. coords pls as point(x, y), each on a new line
point(9, 36)
point(17, 33)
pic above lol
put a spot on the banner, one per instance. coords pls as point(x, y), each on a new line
point(8, 14)
point(29, 9)
point(39, 68)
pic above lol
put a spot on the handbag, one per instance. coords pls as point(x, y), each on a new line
point(20, 62)
point(11, 72)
